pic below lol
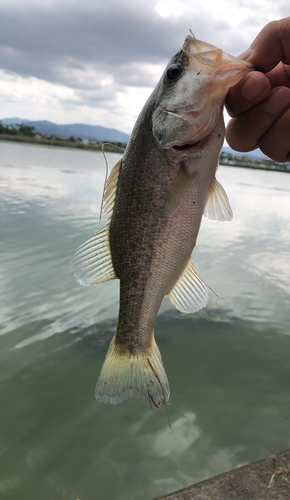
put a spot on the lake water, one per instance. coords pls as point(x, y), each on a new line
point(228, 365)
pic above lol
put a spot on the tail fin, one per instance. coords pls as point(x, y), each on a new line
point(125, 376)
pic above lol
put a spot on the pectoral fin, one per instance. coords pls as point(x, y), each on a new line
point(217, 206)
point(190, 292)
point(177, 191)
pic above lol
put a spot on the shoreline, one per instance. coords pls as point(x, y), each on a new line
point(111, 148)
point(257, 167)
point(264, 479)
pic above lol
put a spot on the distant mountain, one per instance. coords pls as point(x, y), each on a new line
point(12, 121)
point(76, 129)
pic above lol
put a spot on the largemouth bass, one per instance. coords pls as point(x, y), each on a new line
point(154, 200)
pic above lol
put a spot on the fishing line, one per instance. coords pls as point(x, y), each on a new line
point(164, 398)
point(107, 171)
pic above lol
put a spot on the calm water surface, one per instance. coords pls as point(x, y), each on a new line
point(228, 365)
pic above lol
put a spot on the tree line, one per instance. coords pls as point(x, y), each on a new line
point(21, 129)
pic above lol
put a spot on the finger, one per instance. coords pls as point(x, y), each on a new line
point(271, 46)
point(251, 90)
point(279, 76)
point(243, 133)
point(275, 143)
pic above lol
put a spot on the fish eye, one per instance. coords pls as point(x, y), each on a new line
point(174, 72)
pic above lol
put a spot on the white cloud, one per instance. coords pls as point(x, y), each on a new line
point(167, 8)
point(32, 90)
point(131, 100)
point(84, 64)
point(111, 105)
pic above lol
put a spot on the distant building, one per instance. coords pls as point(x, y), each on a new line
point(61, 137)
point(93, 140)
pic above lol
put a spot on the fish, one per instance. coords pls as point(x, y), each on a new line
point(154, 200)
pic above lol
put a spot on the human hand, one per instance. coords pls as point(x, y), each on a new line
point(260, 102)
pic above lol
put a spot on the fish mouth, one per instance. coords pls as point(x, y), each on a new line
point(190, 146)
point(185, 147)
point(200, 132)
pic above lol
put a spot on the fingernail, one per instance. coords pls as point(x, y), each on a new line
point(246, 54)
point(252, 87)
point(278, 101)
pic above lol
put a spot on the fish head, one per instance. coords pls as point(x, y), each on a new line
point(191, 93)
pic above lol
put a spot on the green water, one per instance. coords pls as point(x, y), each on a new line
point(228, 365)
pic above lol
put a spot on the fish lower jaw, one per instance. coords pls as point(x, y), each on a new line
point(190, 147)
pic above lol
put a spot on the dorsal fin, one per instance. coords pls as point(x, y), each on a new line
point(110, 191)
point(92, 261)
point(217, 206)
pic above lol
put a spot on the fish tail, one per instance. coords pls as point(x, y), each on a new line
point(126, 375)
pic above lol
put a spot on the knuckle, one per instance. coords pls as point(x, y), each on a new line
point(283, 27)
point(271, 28)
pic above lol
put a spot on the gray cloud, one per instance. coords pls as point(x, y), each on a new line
point(37, 40)
point(59, 41)
point(99, 48)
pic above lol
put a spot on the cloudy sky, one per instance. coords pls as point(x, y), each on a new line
point(96, 61)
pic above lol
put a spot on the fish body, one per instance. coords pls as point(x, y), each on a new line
point(154, 199)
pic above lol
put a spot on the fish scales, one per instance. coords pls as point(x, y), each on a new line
point(139, 243)
point(155, 198)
